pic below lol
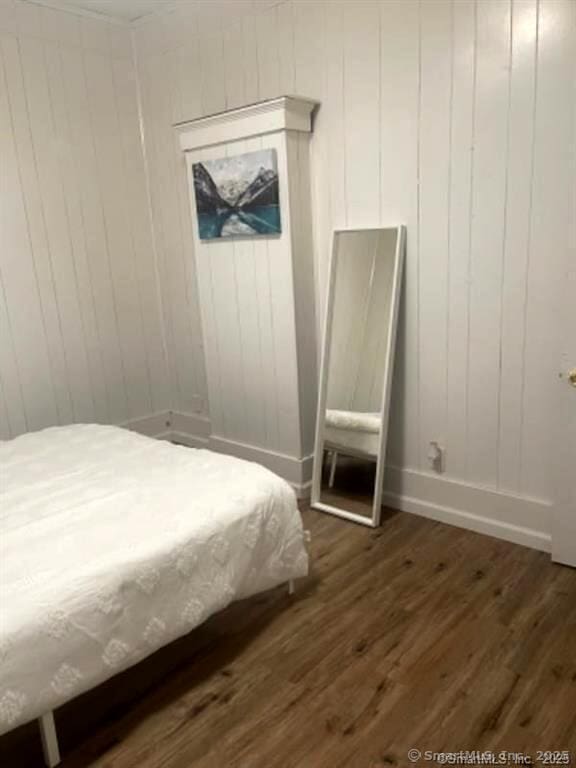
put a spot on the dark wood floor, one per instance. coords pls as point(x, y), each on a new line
point(416, 635)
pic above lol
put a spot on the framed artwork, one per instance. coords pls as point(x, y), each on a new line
point(237, 196)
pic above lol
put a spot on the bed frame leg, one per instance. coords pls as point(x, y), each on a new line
point(333, 468)
point(49, 740)
point(291, 587)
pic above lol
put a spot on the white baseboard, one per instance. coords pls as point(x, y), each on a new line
point(154, 425)
point(517, 519)
point(298, 472)
point(192, 429)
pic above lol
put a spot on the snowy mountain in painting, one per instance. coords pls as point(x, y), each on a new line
point(237, 196)
point(262, 191)
point(208, 198)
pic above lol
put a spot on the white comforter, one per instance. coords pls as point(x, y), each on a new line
point(113, 544)
point(356, 421)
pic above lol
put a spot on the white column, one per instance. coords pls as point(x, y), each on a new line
point(257, 296)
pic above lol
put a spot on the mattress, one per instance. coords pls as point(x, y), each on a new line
point(358, 421)
point(114, 544)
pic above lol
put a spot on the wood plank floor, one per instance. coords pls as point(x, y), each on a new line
point(415, 635)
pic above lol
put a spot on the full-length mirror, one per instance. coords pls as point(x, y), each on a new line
point(356, 373)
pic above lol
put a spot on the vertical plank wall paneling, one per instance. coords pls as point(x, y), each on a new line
point(551, 215)
point(248, 314)
point(362, 114)
point(463, 100)
point(520, 168)
point(21, 309)
point(441, 115)
point(487, 228)
point(253, 383)
point(305, 62)
point(80, 330)
point(268, 53)
point(434, 148)
point(399, 151)
point(172, 227)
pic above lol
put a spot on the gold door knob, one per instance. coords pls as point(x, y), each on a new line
point(572, 377)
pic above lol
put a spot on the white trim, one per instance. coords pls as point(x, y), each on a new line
point(154, 425)
point(286, 113)
point(527, 537)
point(191, 429)
point(345, 515)
point(320, 442)
point(388, 369)
point(479, 501)
point(517, 519)
point(297, 472)
point(190, 441)
point(194, 430)
point(563, 421)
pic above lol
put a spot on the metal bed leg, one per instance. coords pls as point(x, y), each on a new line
point(291, 587)
point(49, 739)
point(332, 468)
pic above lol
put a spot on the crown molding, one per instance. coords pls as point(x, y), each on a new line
point(61, 5)
point(166, 8)
point(285, 113)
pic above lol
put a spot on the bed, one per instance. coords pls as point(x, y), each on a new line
point(113, 545)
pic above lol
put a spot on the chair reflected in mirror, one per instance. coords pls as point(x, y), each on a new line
point(356, 372)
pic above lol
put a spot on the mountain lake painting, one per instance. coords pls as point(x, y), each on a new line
point(237, 196)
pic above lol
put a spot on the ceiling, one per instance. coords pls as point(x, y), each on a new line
point(123, 10)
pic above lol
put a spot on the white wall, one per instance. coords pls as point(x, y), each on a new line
point(172, 225)
point(449, 117)
point(80, 331)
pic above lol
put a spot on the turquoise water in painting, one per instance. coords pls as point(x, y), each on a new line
point(261, 220)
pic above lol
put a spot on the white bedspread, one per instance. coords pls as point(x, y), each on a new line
point(113, 544)
point(356, 421)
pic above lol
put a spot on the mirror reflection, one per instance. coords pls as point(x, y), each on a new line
point(358, 348)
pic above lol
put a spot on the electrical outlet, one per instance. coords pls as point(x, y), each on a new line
point(436, 456)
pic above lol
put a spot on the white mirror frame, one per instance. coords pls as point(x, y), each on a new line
point(373, 521)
